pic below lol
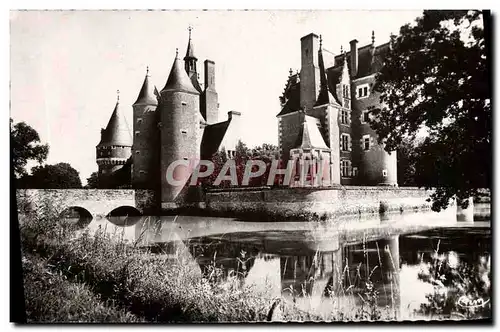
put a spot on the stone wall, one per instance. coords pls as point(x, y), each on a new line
point(99, 202)
point(309, 203)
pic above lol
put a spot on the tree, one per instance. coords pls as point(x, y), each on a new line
point(407, 157)
point(242, 154)
point(58, 176)
point(92, 181)
point(436, 78)
point(25, 146)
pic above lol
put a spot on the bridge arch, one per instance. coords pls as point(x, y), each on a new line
point(124, 215)
point(76, 216)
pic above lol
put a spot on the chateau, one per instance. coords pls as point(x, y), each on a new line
point(323, 124)
point(180, 122)
point(324, 117)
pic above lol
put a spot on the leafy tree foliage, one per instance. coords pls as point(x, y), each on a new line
point(92, 181)
point(436, 78)
point(58, 176)
point(407, 157)
point(242, 154)
point(25, 146)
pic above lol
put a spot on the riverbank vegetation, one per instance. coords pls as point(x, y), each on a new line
point(73, 275)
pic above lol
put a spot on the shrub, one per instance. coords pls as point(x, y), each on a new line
point(50, 297)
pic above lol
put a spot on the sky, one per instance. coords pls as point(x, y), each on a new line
point(66, 66)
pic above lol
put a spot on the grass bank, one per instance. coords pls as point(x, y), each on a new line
point(74, 276)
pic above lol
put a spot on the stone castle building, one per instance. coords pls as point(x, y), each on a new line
point(324, 118)
point(323, 124)
point(179, 122)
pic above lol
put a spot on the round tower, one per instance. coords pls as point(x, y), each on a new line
point(115, 146)
point(179, 109)
point(146, 138)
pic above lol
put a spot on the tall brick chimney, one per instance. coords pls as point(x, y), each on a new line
point(209, 102)
point(354, 57)
point(309, 72)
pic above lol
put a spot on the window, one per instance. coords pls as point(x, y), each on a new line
point(345, 168)
point(183, 103)
point(344, 142)
point(137, 152)
point(184, 131)
point(345, 91)
point(344, 116)
point(366, 142)
point(365, 116)
point(362, 91)
point(354, 171)
point(139, 120)
point(142, 172)
point(137, 133)
point(384, 173)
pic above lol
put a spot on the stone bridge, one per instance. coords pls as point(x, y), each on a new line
point(93, 202)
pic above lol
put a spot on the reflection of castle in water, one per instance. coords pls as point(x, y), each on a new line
point(303, 261)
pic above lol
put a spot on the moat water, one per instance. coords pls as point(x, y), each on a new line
point(300, 260)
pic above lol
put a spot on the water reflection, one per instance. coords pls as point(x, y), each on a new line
point(316, 264)
point(76, 217)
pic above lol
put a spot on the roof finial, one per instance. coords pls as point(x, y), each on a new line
point(190, 28)
point(373, 37)
point(320, 41)
point(290, 72)
point(147, 70)
point(117, 96)
point(176, 53)
point(341, 50)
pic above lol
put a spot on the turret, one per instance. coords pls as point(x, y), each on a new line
point(146, 137)
point(114, 148)
point(180, 118)
point(190, 61)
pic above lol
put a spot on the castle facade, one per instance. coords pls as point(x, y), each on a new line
point(179, 122)
point(323, 124)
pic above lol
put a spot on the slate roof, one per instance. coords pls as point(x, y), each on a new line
point(117, 131)
point(310, 136)
point(370, 61)
point(292, 94)
point(190, 49)
point(147, 94)
point(178, 79)
point(324, 96)
point(212, 138)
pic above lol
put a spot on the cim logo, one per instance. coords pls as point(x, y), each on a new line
point(466, 302)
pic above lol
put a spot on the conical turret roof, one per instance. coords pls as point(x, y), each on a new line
point(324, 95)
point(178, 80)
point(117, 131)
point(146, 95)
point(309, 136)
point(190, 48)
